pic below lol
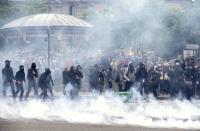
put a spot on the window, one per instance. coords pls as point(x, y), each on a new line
point(72, 10)
point(91, 8)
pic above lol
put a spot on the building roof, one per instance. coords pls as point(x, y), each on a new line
point(47, 20)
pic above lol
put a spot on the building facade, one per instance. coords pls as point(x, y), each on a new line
point(77, 8)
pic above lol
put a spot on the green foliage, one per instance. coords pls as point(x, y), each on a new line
point(37, 6)
point(10, 10)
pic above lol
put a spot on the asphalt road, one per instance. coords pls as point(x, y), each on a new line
point(35, 125)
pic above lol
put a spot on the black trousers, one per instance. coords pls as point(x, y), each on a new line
point(32, 84)
point(110, 84)
point(50, 89)
point(121, 86)
point(20, 89)
point(44, 95)
point(128, 85)
point(7, 84)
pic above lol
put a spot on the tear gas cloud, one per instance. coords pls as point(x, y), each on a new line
point(106, 109)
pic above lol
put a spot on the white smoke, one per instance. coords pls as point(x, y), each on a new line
point(106, 109)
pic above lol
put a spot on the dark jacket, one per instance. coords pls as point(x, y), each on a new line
point(43, 81)
point(7, 74)
point(20, 76)
point(66, 77)
point(72, 76)
point(79, 76)
point(32, 74)
point(141, 73)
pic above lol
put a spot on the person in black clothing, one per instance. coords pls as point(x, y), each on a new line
point(141, 76)
point(50, 82)
point(8, 76)
point(94, 77)
point(101, 78)
point(178, 84)
point(141, 73)
point(191, 77)
point(43, 83)
point(66, 79)
point(110, 78)
point(72, 75)
point(154, 79)
point(32, 77)
point(20, 79)
point(90, 76)
point(79, 76)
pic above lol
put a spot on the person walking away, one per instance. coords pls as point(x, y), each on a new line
point(8, 77)
point(43, 83)
point(32, 80)
point(19, 82)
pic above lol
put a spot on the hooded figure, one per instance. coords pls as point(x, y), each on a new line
point(32, 80)
point(20, 79)
point(7, 77)
point(43, 83)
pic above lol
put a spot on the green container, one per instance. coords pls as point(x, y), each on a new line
point(126, 96)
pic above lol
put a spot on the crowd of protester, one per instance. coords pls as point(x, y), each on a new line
point(178, 78)
point(114, 72)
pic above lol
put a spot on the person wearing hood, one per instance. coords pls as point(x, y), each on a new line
point(44, 83)
point(129, 76)
point(32, 80)
point(8, 77)
point(19, 81)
